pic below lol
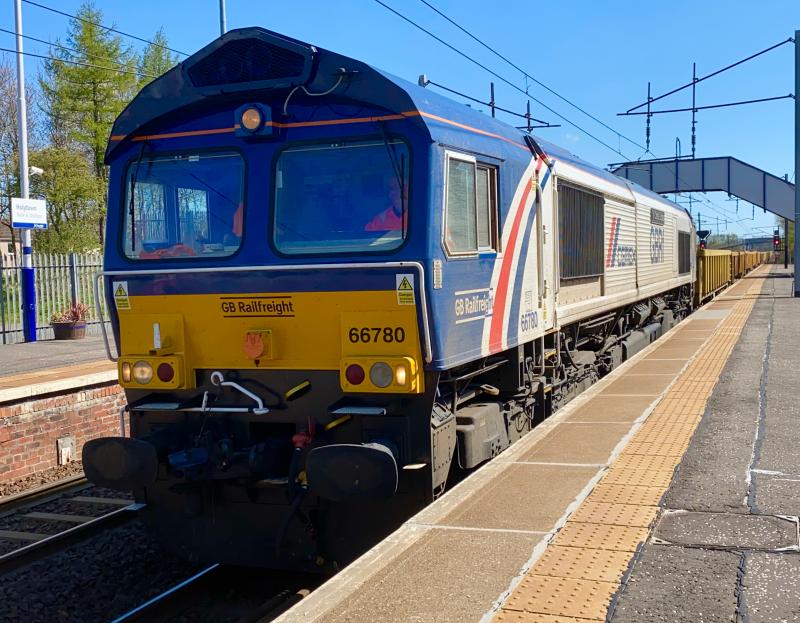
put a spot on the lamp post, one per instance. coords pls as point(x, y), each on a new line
point(28, 274)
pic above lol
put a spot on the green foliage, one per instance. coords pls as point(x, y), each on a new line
point(84, 88)
point(83, 100)
point(74, 200)
point(156, 59)
point(724, 241)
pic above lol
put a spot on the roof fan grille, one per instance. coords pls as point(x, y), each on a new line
point(246, 60)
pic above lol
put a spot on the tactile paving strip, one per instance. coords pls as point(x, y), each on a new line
point(511, 616)
point(562, 596)
point(654, 448)
point(602, 565)
point(643, 461)
point(626, 494)
point(640, 477)
point(630, 515)
point(599, 536)
point(581, 569)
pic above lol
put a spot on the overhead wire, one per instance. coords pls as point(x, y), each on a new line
point(103, 26)
point(73, 50)
point(82, 64)
point(703, 199)
point(501, 78)
point(530, 77)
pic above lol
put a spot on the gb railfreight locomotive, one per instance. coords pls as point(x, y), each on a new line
point(332, 290)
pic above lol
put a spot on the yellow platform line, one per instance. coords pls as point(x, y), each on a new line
point(581, 569)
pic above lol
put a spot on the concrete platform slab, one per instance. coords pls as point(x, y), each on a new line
point(701, 324)
point(676, 352)
point(610, 409)
point(727, 530)
point(578, 443)
point(771, 587)
point(673, 584)
point(657, 366)
point(633, 384)
point(504, 506)
point(776, 493)
point(417, 587)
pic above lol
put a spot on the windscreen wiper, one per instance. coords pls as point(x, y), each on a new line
point(131, 203)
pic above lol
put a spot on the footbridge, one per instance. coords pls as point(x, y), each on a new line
point(725, 174)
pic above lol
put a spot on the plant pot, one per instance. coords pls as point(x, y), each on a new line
point(69, 330)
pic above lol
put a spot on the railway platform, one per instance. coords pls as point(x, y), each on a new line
point(669, 491)
point(54, 396)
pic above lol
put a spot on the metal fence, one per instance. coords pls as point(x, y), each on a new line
point(61, 280)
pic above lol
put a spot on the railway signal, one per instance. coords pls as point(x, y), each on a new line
point(776, 240)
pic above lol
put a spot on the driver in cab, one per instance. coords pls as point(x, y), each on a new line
point(392, 217)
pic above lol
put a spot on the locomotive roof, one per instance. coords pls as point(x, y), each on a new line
point(253, 63)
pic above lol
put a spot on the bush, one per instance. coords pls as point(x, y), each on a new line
point(74, 313)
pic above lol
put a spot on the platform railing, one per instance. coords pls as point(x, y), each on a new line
point(61, 280)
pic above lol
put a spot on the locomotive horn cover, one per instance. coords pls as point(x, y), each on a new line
point(342, 472)
point(120, 463)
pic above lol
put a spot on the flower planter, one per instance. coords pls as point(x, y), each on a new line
point(69, 330)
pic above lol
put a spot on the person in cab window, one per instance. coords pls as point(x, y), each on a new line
point(391, 217)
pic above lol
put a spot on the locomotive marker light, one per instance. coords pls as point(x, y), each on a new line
point(253, 120)
point(126, 372)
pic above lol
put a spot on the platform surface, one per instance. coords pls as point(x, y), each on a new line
point(667, 492)
point(35, 368)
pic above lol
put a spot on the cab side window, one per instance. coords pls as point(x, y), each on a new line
point(470, 206)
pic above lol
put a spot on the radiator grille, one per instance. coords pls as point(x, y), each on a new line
point(684, 252)
point(580, 221)
point(246, 60)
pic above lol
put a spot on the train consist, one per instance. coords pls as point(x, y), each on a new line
point(333, 291)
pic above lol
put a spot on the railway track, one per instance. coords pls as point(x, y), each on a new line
point(36, 523)
point(224, 594)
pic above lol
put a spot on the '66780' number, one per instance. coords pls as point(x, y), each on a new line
point(369, 335)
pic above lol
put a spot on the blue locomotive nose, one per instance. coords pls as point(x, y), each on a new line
point(120, 463)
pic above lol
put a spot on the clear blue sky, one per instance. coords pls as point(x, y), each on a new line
point(598, 54)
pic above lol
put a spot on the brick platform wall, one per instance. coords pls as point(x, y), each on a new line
point(29, 428)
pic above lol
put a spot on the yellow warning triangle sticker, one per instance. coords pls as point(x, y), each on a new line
point(120, 291)
point(405, 285)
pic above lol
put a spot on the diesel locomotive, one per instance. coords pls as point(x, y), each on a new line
point(333, 291)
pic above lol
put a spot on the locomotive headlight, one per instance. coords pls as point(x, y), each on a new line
point(400, 375)
point(126, 372)
point(381, 374)
point(142, 372)
point(251, 119)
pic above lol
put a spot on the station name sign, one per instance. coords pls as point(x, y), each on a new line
point(28, 213)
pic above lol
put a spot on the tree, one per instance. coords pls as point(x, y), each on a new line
point(87, 88)
point(9, 138)
point(74, 198)
point(156, 59)
point(724, 241)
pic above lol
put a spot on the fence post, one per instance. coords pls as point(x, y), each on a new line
point(73, 278)
point(2, 298)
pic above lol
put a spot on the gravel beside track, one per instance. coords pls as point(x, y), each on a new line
point(93, 581)
point(44, 477)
